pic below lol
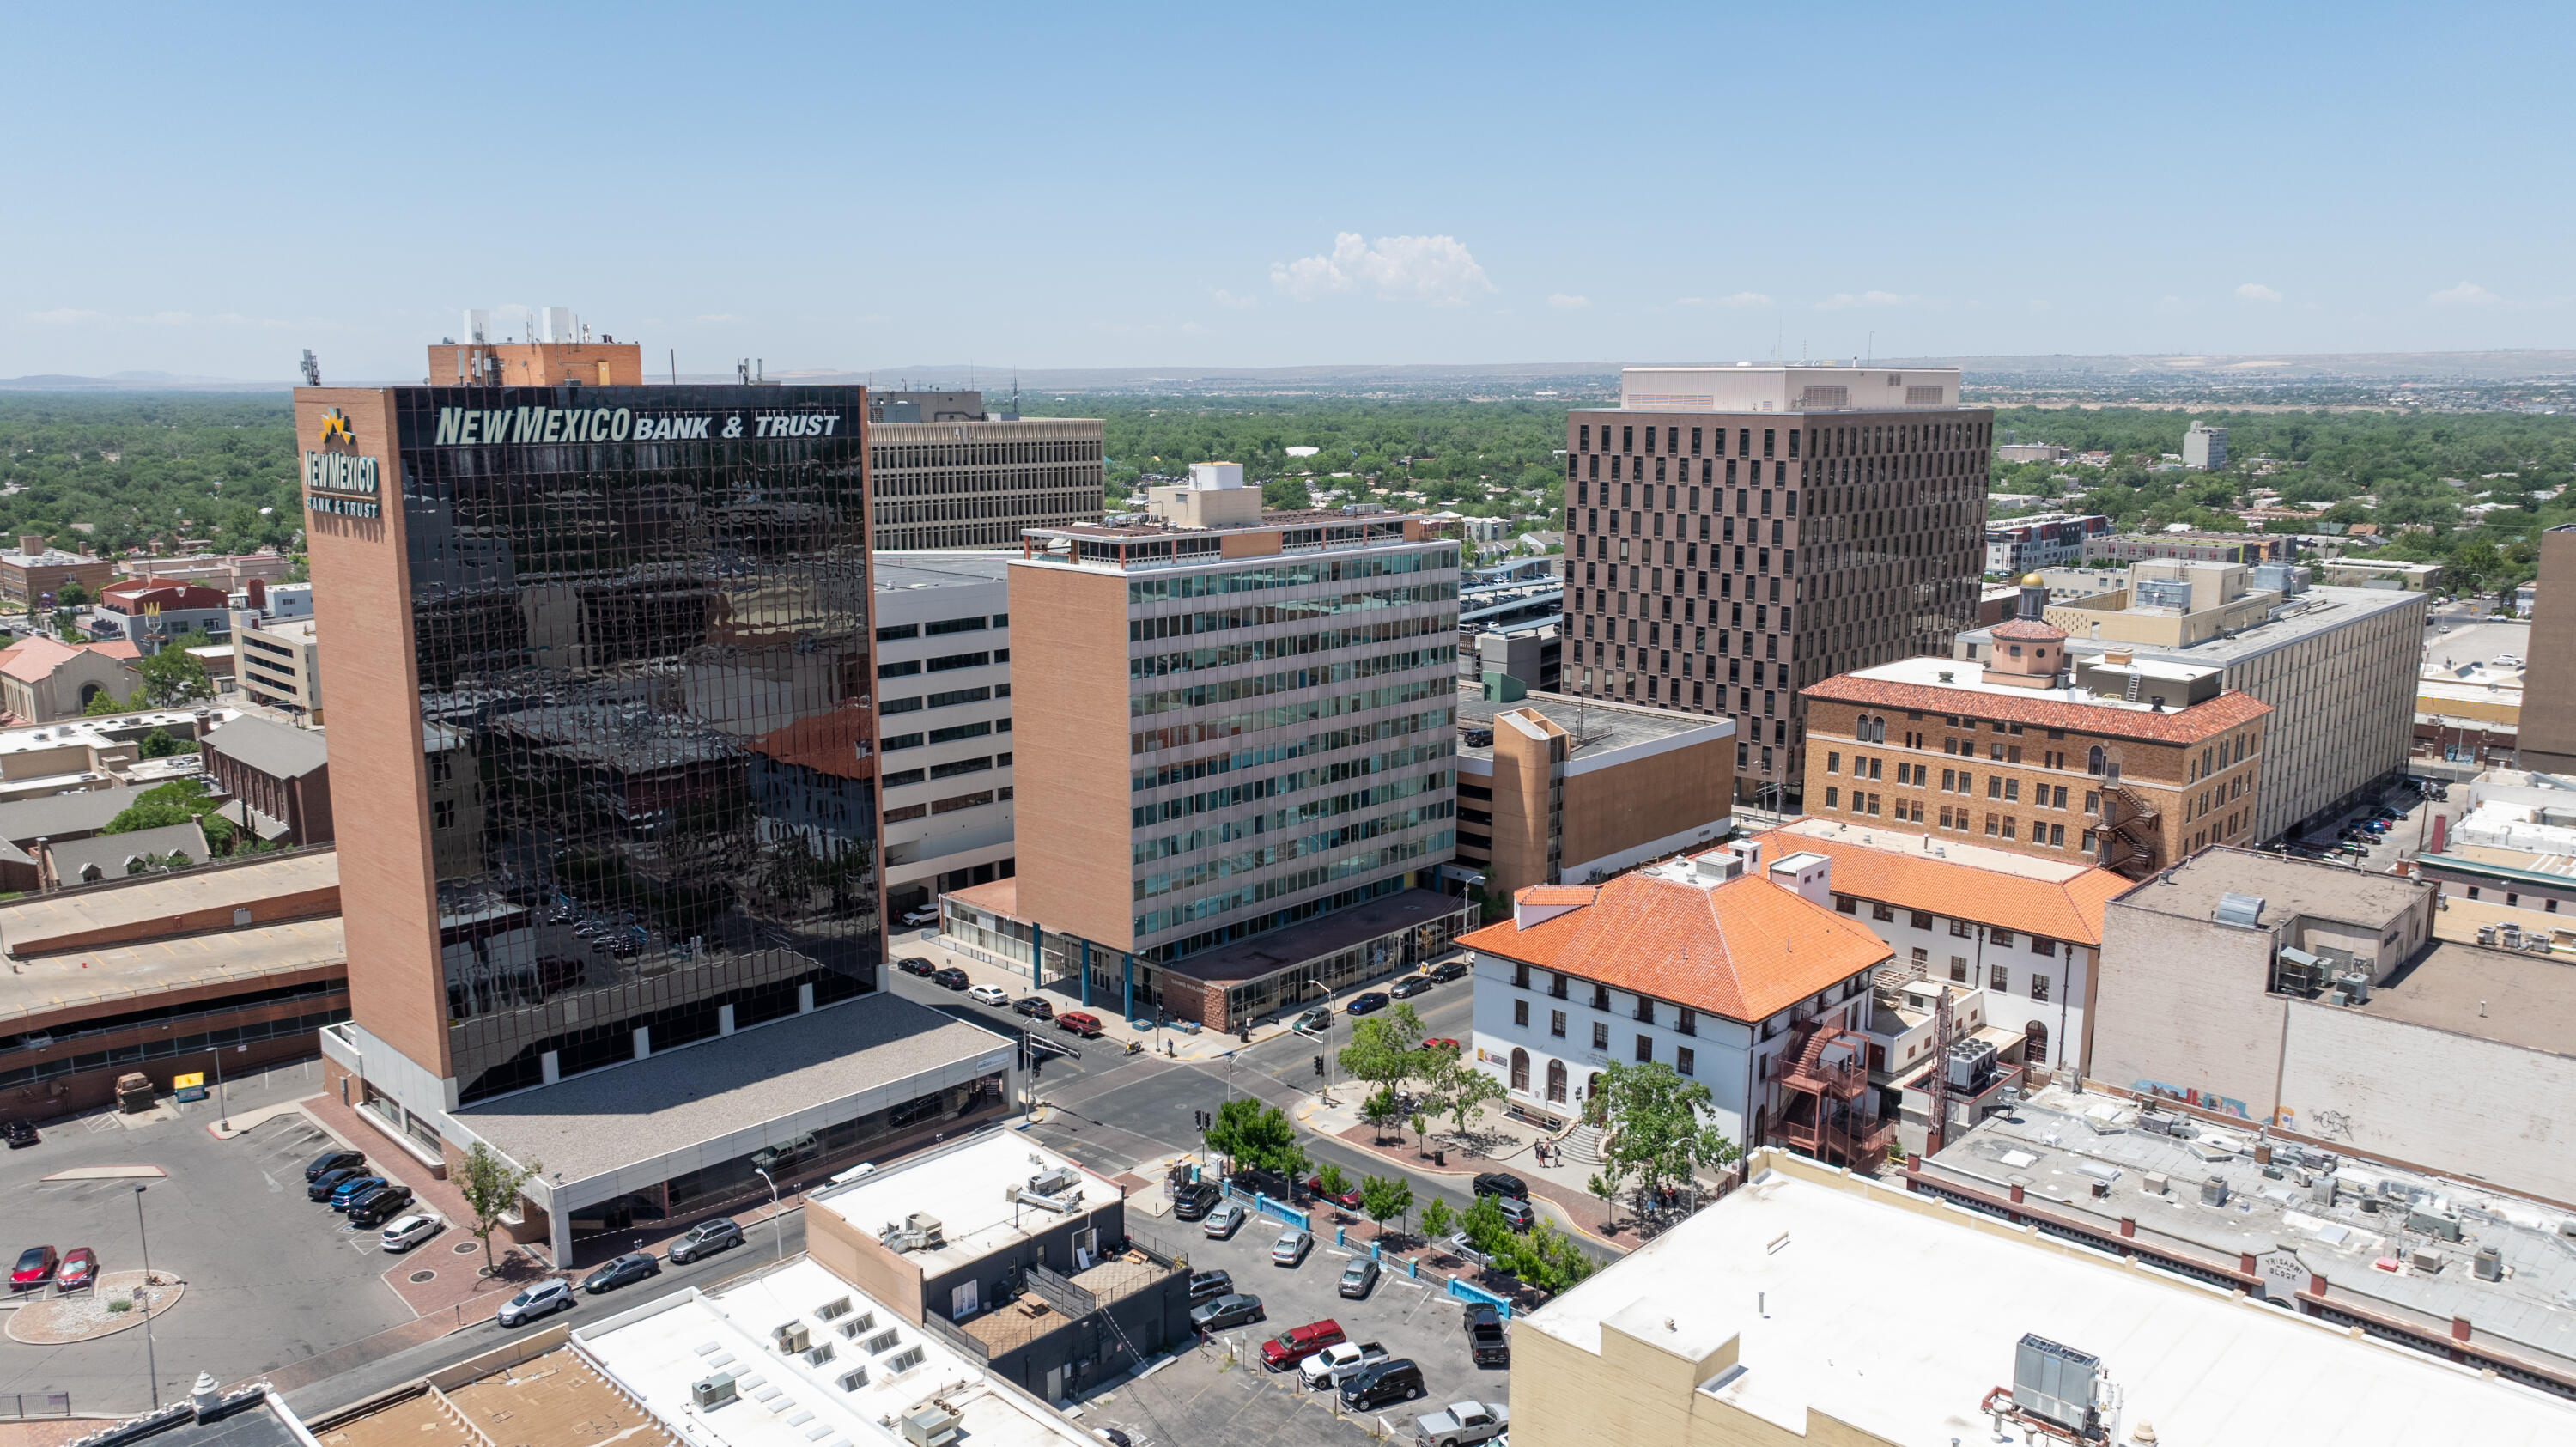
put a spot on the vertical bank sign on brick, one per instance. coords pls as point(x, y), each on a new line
point(340, 483)
point(499, 426)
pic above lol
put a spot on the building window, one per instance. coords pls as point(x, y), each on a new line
point(441, 768)
point(1999, 980)
point(1556, 1023)
point(1845, 904)
point(1600, 1035)
point(1685, 1021)
point(1520, 1013)
point(1601, 997)
point(1958, 969)
point(1520, 1070)
point(1882, 912)
point(1556, 1082)
point(1645, 1048)
point(442, 814)
point(2039, 987)
point(1684, 1062)
point(1556, 988)
point(2040, 946)
point(1920, 919)
point(1959, 929)
point(1520, 977)
point(1922, 960)
point(1999, 938)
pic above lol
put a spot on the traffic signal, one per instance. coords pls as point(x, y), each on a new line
point(1319, 1067)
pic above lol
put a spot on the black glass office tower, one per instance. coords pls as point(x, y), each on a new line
point(640, 624)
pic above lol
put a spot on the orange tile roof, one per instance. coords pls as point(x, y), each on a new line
point(828, 743)
point(34, 660)
point(2070, 910)
point(1746, 949)
point(1558, 894)
point(121, 648)
point(2181, 726)
point(2027, 628)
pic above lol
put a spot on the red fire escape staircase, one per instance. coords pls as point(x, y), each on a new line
point(1827, 1108)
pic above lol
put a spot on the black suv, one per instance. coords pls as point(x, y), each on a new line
point(1382, 1385)
point(330, 1161)
point(915, 965)
point(1034, 1007)
point(380, 1205)
point(321, 1186)
point(1194, 1202)
point(1495, 1183)
point(1485, 1341)
point(949, 978)
point(19, 1133)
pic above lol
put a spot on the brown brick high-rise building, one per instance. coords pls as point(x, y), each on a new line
point(1740, 532)
point(2129, 762)
point(2549, 683)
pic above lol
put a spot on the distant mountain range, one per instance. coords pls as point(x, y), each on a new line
point(2490, 366)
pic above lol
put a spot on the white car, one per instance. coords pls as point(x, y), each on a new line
point(1340, 1362)
point(926, 915)
point(406, 1232)
point(992, 995)
point(546, 1297)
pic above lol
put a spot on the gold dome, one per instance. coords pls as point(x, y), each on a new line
point(2033, 580)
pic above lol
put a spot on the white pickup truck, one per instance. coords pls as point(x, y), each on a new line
point(1340, 1362)
point(1463, 1423)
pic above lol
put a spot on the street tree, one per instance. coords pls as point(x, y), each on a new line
point(1385, 1048)
point(1383, 1198)
point(1333, 1180)
point(490, 1186)
point(1256, 1137)
point(1464, 1093)
point(1656, 1130)
point(1437, 1218)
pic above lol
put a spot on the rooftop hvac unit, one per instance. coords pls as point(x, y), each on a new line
point(2240, 909)
point(2489, 1264)
point(713, 1391)
point(2056, 1382)
point(927, 1227)
point(2213, 1191)
point(791, 1338)
point(1055, 1182)
point(2355, 987)
point(1970, 1065)
point(930, 1426)
point(2441, 1224)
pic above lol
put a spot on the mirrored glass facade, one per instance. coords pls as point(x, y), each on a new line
point(641, 620)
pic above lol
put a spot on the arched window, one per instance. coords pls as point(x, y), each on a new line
point(1592, 1085)
point(2093, 761)
point(2034, 1049)
point(89, 693)
point(1556, 1081)
point(1520, 1070)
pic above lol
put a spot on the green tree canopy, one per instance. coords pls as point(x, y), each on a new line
point(1655, 1122)
point(1256, 1137)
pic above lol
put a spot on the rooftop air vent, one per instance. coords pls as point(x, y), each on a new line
point(2245, 910)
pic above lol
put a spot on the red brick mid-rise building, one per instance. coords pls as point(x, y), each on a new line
point(1741, 532)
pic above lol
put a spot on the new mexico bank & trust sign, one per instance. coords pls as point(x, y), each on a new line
point(498, 426)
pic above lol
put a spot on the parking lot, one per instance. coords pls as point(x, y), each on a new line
point(2405, 838)
point(1199, 1398)
point(270, 1276)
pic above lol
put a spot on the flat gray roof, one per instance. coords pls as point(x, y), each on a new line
point(2061, 1142)
point(2330, 608)
point(597, 1122)
point(274, 749)
point(2286, 886)
point(1270, 953)
point(2509, 996)
point(58, 816)
point(935, 570)
point(1598, 727)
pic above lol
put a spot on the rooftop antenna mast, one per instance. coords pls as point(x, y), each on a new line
point(312, 369)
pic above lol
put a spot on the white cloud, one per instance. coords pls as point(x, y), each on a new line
point(2467, 293)
point(1844, 301)
point(1741, 298)
point(1565, 303)
point(1433, 269)
point(2256, 291)
point(66, 316)
point(1226, 298)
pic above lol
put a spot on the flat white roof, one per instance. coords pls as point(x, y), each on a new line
point(1970, 678)
point(1951, 851)
point(658, 1350)
point(1899, 1319)
point(968, 1188)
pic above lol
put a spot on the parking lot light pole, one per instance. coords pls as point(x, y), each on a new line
point(151, 1365)
point(777, 1221)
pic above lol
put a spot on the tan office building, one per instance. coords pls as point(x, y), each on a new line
point(1740, 532)
point(278, 664)
point(37, 570)
point(2131, 763)
point(1241, 772)
point(949, 475)
point(1558, 790)
point(2549, 677)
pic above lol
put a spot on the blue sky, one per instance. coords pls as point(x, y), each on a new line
point(206, 189)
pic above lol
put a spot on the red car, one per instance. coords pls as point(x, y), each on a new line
point(1348, 1200)
point(79, 1269)
point(1080, 1022)
point(1300, 1342)
point(35, 1267)
point(1441, 1043)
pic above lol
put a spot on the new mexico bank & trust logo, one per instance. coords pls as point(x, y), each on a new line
point(337, 482)
point(336, 428)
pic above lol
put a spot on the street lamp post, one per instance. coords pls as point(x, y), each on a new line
point(1326, 1040)
point(151, 1363)
point(777, 1221)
